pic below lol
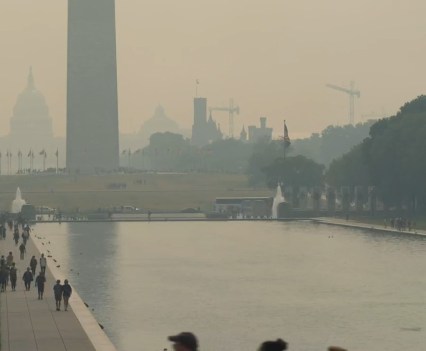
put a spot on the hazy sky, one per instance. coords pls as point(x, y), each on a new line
point(273, 57)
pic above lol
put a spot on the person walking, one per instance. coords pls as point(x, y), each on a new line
point(43, 263)
point(278, 345)
point(7, 274)
point(3, 278)
point(66, 293)
point(184, 341)
point(33, 265)
point(27, 278)
point(40, 281)
point(58, 290)
point(24, 238)
point(16, 237)
point(9, 259)
point(22, 250)
point(13, 274)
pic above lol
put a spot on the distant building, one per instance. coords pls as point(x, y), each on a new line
point(158, 123)
point(257, 133)
point(31, 131)
point(247, 207)
point(30, 119)
point(204, 131)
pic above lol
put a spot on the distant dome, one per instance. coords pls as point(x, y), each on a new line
point(159, 122)
point(31, 114)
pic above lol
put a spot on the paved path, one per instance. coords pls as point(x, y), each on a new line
point(360, 225)
point(29, 324)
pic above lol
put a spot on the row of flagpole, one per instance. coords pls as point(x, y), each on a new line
point(31, 157)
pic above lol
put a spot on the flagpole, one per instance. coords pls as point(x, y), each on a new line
point(129, 154)
point(57, 161)
point(284, 142)
point(9, 163)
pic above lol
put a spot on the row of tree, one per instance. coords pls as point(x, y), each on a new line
point(262, 161)
point(392, 159)
point(389, 157)
point(172, 152)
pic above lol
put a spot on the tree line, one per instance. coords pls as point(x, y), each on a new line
point(173, 152)
point(392, 159)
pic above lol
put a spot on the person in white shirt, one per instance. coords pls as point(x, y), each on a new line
point(43, 263)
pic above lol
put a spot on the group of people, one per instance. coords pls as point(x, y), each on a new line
point(9, 271)
point(187, 341)
point(400, 224)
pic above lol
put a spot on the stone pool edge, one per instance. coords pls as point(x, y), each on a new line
point(88, 322)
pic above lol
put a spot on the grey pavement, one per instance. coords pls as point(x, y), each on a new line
point(29, 324)
point(361, 225)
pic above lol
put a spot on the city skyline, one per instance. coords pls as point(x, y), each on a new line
point(164, 47)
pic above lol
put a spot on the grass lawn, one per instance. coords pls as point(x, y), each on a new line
point(162, 191)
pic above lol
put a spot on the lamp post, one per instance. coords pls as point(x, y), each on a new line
point(19, 162)
point(57, 161)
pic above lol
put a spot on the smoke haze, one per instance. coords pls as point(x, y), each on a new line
point(273, 57)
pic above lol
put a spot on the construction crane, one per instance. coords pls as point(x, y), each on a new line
point(231, 109)
point(352, 94)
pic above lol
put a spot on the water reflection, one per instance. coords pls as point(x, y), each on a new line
point(236, 283)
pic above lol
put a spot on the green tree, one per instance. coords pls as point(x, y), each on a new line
point(392, 158)
point(294, 171)
point(265, 152)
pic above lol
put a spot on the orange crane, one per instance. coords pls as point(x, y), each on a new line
point(353, 93)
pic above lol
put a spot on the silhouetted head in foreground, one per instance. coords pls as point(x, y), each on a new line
point(184, 341)
point(278, 345)
point(336, 348)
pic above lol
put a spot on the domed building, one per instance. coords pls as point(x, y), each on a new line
point(31, 120)
point(31, 133)
point(158, 123)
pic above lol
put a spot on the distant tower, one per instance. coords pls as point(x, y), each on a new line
point(200, 121)
point(243, 134)
point(257, 133)
point(92, 108)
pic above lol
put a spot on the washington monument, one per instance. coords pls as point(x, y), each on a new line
point(92, 111)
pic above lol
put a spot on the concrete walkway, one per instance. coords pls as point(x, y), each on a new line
point(29, 324)
point(369, 226)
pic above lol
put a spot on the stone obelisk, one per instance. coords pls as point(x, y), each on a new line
point(92, 107)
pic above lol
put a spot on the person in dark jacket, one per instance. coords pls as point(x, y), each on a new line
point(278, 345)
point(57, 290)
point(3, 278)
point(33, 265)
point(66, 293)
point(27, 278)
point(185, 341)
point(9, 259)
point(40, 281)
point(22, 250)
point(13, 274)
point(16, 238)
